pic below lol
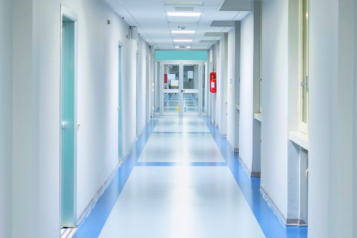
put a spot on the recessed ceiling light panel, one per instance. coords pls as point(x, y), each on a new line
point(183, 22)
point(179, 40)
point(184, 14)
point(183, 32)
point(183, 47)
point(176, 3)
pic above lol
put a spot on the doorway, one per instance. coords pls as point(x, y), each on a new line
point(137, 97)
point(182, 90)
point(120, 93)
point(69, 125)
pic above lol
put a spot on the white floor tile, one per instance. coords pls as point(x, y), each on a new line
point(163, 147)
point(176, 124)
point(181, 202)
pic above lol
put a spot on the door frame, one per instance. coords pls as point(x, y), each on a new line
point(73, 16)
point(162, 91)
point(137, 94)
point(120, 100)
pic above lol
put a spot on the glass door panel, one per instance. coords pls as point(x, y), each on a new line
point(171, 102)
point(190, 103)
point(190, 76)
point(204, 89)
point(171, 86)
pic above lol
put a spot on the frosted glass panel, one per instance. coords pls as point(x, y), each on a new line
point(68, 125)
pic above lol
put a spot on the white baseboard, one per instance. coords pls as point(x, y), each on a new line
point(286, 221)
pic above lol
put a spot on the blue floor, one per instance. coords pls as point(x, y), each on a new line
point(271, 225)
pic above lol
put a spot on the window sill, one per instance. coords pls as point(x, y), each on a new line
point(258, 116)
point(238, 107)
point(300, 139)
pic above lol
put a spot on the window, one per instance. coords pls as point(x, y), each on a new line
point(261, 58)
point(304, 76)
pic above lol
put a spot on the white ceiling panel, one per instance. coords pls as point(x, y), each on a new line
point(150, 16)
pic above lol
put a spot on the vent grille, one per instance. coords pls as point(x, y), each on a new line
point(222, 24)
point(214, 34)
point(208, 41)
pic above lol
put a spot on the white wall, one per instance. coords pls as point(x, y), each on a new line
point(231, 94)
point(26, 172)
point(355, 133)
point(274, 148)
point(219, 85)
point(233, 97)
point(36, 107)
point(332, 62)
point(5, 117)
point(144, 53)
point(246, 94)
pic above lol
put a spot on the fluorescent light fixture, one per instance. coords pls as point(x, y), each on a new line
point(182, 40)
point(184, 14)
point(168, 3)
point(183, 32)
point(183, 22)
point(182, 47)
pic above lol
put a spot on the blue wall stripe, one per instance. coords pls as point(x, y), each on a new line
point(181, 55)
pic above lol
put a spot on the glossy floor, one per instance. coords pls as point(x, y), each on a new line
point(162, 191)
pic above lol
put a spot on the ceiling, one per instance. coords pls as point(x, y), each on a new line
point(155, 27)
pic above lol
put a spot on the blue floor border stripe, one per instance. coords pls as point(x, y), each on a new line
point(268, 220)
point(181, 164)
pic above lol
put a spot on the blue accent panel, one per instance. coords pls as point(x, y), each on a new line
point(268, 220)
point(181, 164)
point(93, 223)
point(181, 55)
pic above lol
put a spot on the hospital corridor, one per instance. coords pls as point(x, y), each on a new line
point(178, 119)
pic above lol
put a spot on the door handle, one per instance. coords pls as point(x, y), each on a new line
point(304, 83)
point(63, 125)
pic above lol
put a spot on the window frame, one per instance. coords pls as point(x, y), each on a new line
point(304, 49)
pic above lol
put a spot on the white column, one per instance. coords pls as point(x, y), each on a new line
point(26, 169)
point(6, 96)
point(332, 153)
point(234, 45)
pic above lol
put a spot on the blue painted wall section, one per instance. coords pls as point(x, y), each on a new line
point(181, 55)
